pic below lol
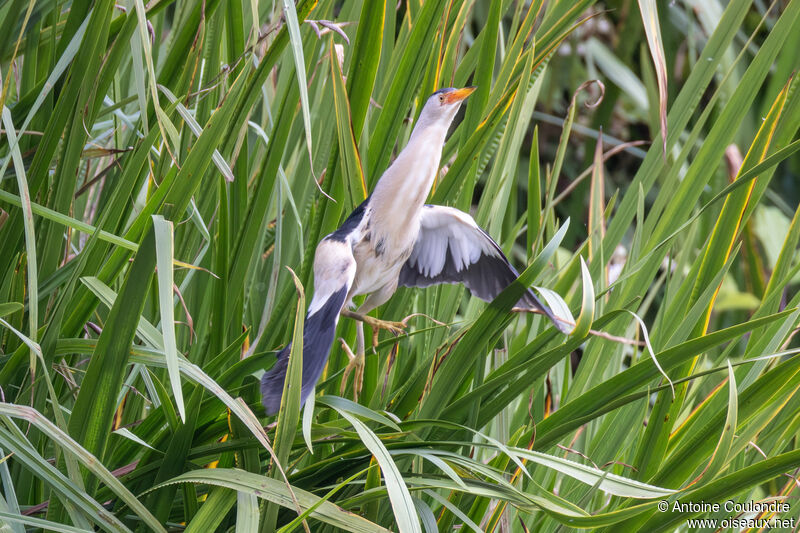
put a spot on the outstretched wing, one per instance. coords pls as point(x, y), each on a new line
point(452, 248)
point(334, 271)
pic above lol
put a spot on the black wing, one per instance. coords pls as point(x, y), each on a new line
point(452, 248)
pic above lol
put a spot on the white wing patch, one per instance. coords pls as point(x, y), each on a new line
point(443, 228)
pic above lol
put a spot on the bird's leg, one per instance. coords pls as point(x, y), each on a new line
point(396, 328)
point(356, 363)
point(357, 360)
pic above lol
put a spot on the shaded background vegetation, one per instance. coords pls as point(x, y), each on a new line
point(163, 163)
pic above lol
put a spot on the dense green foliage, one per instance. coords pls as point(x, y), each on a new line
point(163, 164)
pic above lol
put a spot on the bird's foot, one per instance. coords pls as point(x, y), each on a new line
point(355, 365)
point(376, 324)
point(395, 328)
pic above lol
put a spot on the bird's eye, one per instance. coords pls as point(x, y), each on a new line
point(441, 98)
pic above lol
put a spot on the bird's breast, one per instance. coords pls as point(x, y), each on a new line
point(380, 252)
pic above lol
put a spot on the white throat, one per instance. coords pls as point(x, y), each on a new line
point(402, 190)
point(406, 184)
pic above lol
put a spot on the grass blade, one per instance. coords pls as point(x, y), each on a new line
point(300, 69)
point(652, 28)
point(30, 235)
point(273, 490)
point(164, 255)
point(402, 504)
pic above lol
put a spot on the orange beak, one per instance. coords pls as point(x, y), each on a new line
point(458, 95)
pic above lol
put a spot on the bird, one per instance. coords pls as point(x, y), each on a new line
point(393, 238)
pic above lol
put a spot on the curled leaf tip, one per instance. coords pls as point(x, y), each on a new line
point(585, 85)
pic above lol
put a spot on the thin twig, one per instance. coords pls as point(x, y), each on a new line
point(594, 332)
point(618, 463)
point(576, 452)
point(29, 132)
point(97, 177)
point(189, 321)
point(586, 173)
point(413, 315)
point(330, 26)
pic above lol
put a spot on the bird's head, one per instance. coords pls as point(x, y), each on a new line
point(443, 104)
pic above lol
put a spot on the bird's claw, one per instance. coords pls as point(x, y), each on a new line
point(356, 364)
point(395, 328)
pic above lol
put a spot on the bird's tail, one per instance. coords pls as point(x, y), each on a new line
point(318, 332)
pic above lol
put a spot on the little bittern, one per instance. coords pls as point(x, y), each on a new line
point(394, 239)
